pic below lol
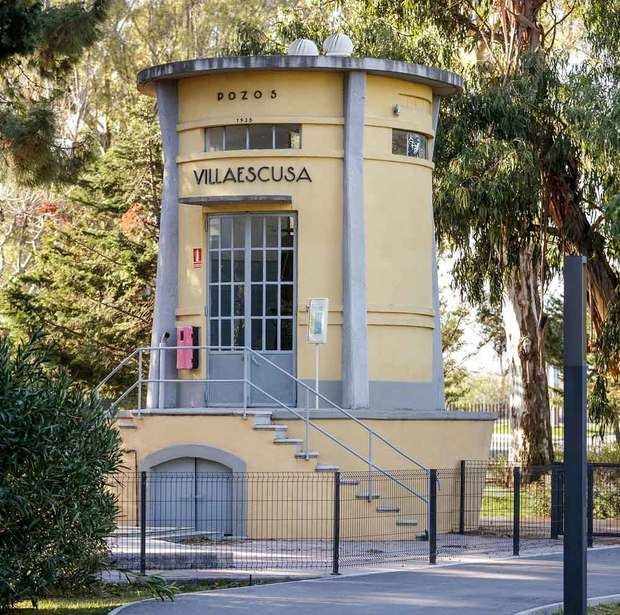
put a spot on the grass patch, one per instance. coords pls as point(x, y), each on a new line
point(603, 609)
point(105, 597)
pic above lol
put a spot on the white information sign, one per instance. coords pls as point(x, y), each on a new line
point(317, 321)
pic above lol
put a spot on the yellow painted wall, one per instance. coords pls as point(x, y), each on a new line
point(398, 207)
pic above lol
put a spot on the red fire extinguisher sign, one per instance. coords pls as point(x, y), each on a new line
point(197, 257)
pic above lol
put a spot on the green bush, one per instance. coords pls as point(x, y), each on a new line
point(57, 448)
point(606, 483)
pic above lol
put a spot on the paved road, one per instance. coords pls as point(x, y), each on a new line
point(496, 587)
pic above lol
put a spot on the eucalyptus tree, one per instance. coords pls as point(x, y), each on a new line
point(526, 159)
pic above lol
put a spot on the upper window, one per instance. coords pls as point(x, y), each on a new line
point(408, 143)
point(252, 136)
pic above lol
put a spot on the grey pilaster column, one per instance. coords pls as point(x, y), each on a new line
point(355, 390)
point(439, 398)
point(166, 294)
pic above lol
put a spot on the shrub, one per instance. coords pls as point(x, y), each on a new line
point(57, 446)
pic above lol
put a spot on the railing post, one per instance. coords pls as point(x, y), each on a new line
point(556, 500)
point(336, 530)
point(140, 382)
point(432, 516)
point(590, 505)
point(306, 426)
point(246, 372)
point(462, 499)
point(161, 375)
point(516, 509)
point(143, 495)
point(370, 466)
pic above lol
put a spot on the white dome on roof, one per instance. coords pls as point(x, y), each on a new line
point(302, 47)
point(338, 45)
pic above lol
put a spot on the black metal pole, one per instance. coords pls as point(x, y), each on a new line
point(142, 522)
point(432, 517)
point(462, 499)
point(336, 531)
point(575, 474)
point(590, 505)
point(516, 509)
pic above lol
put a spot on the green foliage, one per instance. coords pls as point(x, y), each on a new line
point(91, 280)
point(452, 342)
point(57, 449)
point(39, 44)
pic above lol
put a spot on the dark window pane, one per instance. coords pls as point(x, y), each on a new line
point(239, 295)
point(225, 265)
point(214, 303)
point(271, 300)
point(286, 334)
point(226, 232)
point(225, 341)
point(261, 136)
point(399, 142)
point(236, 137)
point(239, 266)
point(271, 334)
point(272, 265)
point(286, 274)
point(214, 338)
point(238, 232)
point(271, 231)
point(288, 136)
point(257, 265)
point(214, 139)
point(214, 267)
point(257, 299)
point(286, 300)
point(416, 145)
point(225, 297)
point(239, 332)
point(257, 334)
point(287, 231)
point(257, 232)
point(214, 233)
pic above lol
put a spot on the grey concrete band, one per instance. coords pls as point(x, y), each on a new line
point(166, 292)
point(355, 392)
point(240, 199)
point(444, 83)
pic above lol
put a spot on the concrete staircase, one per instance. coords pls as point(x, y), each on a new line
point(263, 421)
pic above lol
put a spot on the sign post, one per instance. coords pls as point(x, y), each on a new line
point(317, 335)
point(575, 424)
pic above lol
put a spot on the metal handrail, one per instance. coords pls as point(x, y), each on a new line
point(247, 382)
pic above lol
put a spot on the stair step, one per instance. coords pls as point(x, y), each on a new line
point(326, 468)
point(302, 454)
point(261, 418)
point(349, 482)
point(409, 522)
point(388, 509)
point(271, 427)
point(288, 441)
point(367, 496)
point(127, 426)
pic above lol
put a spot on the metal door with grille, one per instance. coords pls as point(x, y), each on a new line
point(251, 302)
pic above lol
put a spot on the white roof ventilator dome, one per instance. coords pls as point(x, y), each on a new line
point(302, 47)
point(337, 45)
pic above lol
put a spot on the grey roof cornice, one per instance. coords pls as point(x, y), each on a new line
point(444, 83)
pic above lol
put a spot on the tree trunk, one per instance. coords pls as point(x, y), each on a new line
point(529, 398)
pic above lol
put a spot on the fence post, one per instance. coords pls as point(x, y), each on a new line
point(142, 522)
point(336, 532)
point(590, 505)
point(432, 517)
point(462, 499)
point(516, 509)
point(557, 497)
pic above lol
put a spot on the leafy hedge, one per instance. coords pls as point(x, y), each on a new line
point(57, 446)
